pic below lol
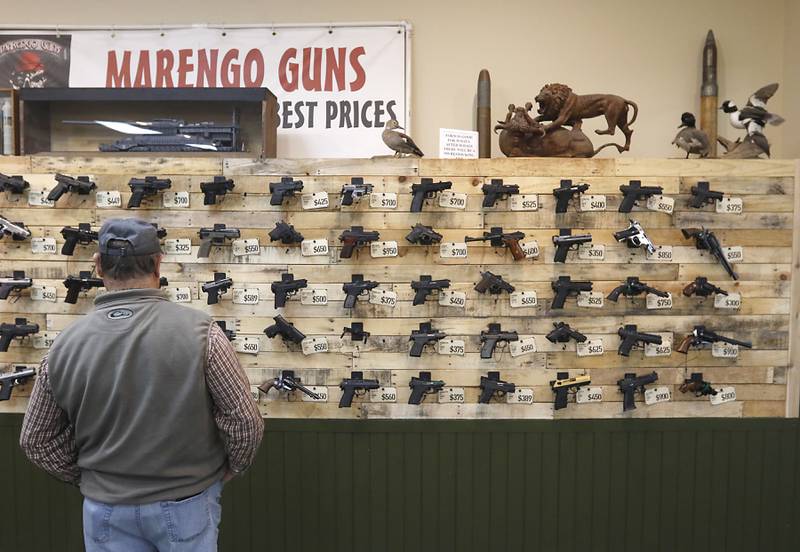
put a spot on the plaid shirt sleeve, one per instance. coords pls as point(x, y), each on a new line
point(47, 437)
point(235, 411)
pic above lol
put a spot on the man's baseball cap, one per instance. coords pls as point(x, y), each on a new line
point(141, 237)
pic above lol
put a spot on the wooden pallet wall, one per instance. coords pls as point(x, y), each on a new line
point(763, 376)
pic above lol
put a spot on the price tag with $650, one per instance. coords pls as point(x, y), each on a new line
point(247, 345)
point(310, 248)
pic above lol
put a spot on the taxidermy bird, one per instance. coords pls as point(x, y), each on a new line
point(402, 144)
point(690, 138)
point(754, 116)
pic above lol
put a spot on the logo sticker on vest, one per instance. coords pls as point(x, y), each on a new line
point(119, 314)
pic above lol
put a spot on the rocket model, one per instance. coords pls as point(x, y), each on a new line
point(708, 93)
point(484, 114)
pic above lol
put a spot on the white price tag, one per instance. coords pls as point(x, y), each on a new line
point(175, 200)
point(249, 246)
point(453, 250)
point(524, 299)
point(310, 248)
point(245, 296)
point(661, 204)
point(663, 253)
point(592, 252)
point(524, 202)
point(530, 249)
point(314, 297)
point(665, 349)
point(105, 200)
point(724, 394)
point(383, 200)
point(589, 395)
point(654, 302)
point(320, 390)
point(43, 246)
point(449, 298)
point(724, 350)
point(451, 347)
point(43, 340)
point(730, 301)
point(522, 346)
point(383, 249)
point(730, 205)
point(449, 395)
point(383, 395)
point(38, 198)
point(522, 395)
point(591, 299)
point(43, 293)
point(181, 246)
point(593, 202)
point(734, 254)
point(179, 294)
point(247, 345)
point(317, 200)
point(657, 395)
point(255, 392)
point(452, 200)
point(312, 345)
point(590, 347)
point(383, 298)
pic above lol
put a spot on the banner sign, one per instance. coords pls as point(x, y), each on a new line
point(336, 86)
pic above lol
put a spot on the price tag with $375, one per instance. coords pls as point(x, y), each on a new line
point(312, 345)
point(317, 200)
point(729, 205)
point(383, 297)
point(451, 347)
point(450, 395)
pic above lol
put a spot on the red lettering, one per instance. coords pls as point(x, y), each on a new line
point(143, 77)
point(287, 84)
point(165, 60)
point(334, 68)
point(230, 71)
point(253, 58)
point(314, 65)
point(184, 67)
point(361, 76)
point(207, 70)
point(116, 76)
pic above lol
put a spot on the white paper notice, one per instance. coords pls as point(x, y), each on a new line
point(458, 144)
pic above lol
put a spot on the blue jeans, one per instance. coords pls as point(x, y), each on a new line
point(167, 526)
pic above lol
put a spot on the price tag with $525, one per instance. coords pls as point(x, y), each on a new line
point(524, 202)
point(661, 204)
point(383, 297)
point(312, 345)
point(317, 200)
point(530, 248)
point(590, 347)
point(591, 299)
point(248, 246)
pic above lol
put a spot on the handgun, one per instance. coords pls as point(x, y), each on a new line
point(82, 282)
point(630, 337)
point(706, 240)
point(80, 185)
point(565, 192)
point(633, 287)
point(287, 187)
point(355, 190)
point(497, 190)
point(697, 385)
point(562, 333)
point(356, 331)
point(285, 329)
point(215, 236)
point(564, 241)
point(494, 284)
point(286, 287)
point(83, 235)
point(218, 187)
point(287, 382)
point(494, 335)
point(421, 337)
point(147, 186)
point(355, 385)
point(702, 195)
point(630, 384)
point(563, 385)
point(19, 329)
point(425, 286)
point(633, 192)
point(423, 385)
point(426, 188)
point(355, 287)
point(229, 333)
point(564, 286)
point(701, 336)
point(355, 238)
point(16, 230)
point(16, 282)
point(634, 236)
point(492, 385)
point(423, 235)
point(497, 238)
point(14, 184)
point(216, 287)
point(286, 233)
point(9, 380)
point(702, 288)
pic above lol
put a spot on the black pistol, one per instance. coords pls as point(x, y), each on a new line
point(80, 185)
point(423, 385)
point(218, 187)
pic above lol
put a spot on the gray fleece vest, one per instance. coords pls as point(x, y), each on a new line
point(131, 378)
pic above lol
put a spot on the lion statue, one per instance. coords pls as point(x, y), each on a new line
point(559, 104)
point(522, 136)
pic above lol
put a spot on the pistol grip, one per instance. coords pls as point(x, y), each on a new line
point(347, 397)
point(135, 199)
point(5, 341)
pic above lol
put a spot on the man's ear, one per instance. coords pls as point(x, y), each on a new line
point(97, 268)
point(158, 265)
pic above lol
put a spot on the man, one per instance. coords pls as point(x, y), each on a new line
point(143, 404)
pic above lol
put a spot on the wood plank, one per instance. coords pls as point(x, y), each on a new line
point(130, 163)
point(627, 166)
point(377, 166)
point(520, 166)
point(13, 165)
point(793, 379)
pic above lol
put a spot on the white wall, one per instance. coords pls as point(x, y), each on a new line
point(647, 50)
